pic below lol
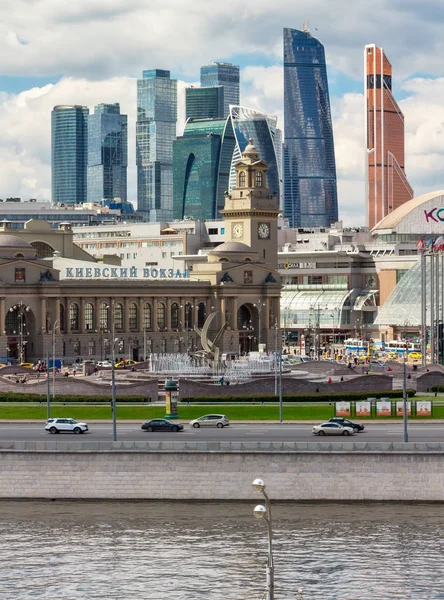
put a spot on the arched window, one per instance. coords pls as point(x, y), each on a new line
point(74, 317)
point(174, 316)
point(244, 318)
point(132, 310)
point(188, 316)
point(43, 250)
point(259, 178)
point(103, 316)
point(201, 314)
point(89, 316)
point(19, 255)
point(242, 179)
point(62, 318)
point(147, 322)
point(161, 315)
point(118, 316)
point(91, 347)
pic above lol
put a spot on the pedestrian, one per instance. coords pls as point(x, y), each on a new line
point(221, 380)
point(38, 375)
point(330, 380)
point(74, 371)
point(342, 377)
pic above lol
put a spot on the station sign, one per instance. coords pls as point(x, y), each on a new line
point(123, 273)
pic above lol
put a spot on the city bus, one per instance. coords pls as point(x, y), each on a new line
point(355, 345)
point(399, 347)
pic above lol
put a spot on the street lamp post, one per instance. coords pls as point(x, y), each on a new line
point(264, 512)
point(404, 392)
point(113, 370)
point(21, 308)
point(54, 327)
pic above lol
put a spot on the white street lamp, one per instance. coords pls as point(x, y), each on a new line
point(264, 512)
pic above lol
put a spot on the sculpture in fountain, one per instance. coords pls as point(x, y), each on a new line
point(210, 352)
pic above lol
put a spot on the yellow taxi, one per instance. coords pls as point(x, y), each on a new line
point(125, 363)
point(27, 365)
point(415, 355)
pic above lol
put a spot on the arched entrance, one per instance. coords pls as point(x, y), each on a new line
point(19, 329)
point(247, 324)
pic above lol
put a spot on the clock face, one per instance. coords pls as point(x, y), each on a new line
point(238, 230)
point(264, 230)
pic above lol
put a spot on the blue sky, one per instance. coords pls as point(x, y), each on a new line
point(91, 51)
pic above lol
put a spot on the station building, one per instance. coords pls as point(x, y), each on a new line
point(56, 298)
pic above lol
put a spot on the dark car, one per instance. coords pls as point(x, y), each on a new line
point(347, 423)
point(161, 425)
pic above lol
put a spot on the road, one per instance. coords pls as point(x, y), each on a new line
point(269, 432)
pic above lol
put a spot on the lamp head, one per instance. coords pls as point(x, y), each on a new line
point(260, 511)
point(258, 485)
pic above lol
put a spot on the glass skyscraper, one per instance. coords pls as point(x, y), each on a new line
point(310, 189)
point(155, 133)
point(262, 128)
point(204, 102)
point(69, 154)
point(201, 168)
point(226, 75)
point(107, 154)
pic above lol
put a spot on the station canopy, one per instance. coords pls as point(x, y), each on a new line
point(403, 306)
point(300, 308)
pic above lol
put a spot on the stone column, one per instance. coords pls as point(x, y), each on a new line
point(82, 315)
point(154, 319)
point(234, 313)
point(168, 314)
point(67, 319)
point(223, 305)
point(43, 314)
point(97, 303)
point(2, 316)
point(266, 319)
point(126, 316)
point(57, 314)
point(182, 313)
point(140, 319)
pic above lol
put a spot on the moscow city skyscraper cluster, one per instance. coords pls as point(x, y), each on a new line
point(188, 176)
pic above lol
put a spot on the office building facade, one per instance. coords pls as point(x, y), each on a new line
point(262, 129)
point(310, 187)
point(155, 133)
point(204, 102)
point(107, 154)
point(386, 183)
point(226, 75)
point(69, 154)
point(202, 160)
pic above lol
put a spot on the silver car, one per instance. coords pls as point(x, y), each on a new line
point(218, 421)
point(332, 429)
point(65, 426)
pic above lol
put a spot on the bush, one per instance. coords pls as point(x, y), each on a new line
point(67, 398)
point(316, 397)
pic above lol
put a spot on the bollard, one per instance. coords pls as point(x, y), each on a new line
point(171, 394)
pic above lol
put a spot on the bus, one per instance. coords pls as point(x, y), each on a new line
point(355, 345)
point(399, 347)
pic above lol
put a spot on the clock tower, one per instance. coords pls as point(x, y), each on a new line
point(250, 211)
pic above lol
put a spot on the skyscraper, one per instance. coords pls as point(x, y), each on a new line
point(204, 102)
point(107, 154)
point(386, 183)
point(262, 129)
point(69, 154)
point(226, 75)
point(310, 190)
point(155, 133)
point(202, 161)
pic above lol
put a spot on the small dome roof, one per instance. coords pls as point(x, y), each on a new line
point(250, 148)
point(13, 241)
point(227, 247)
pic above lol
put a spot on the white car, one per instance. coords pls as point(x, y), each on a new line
point(65, 426)
point(332, 429)
point(218, 421)
point(104, 364)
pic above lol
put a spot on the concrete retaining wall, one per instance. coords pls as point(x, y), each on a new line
point(266, 385)
point(425, 382)
point(411, 472)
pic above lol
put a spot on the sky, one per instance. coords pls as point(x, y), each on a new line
point(92, 51)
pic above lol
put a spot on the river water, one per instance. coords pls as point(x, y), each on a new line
point(217, 551)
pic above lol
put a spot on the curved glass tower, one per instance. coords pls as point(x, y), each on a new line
point(310, 191)
point(249, 123)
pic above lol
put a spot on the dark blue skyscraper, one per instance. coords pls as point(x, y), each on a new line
point(226, 75)
point(69, 153)
point(107, 154)
point(204, 102)
point(310, 191)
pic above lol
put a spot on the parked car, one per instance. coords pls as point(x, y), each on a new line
point(332, 429)
point(347, 423)
point(218, 421)
point(125, 363)
point(65, 426)
point(415, 355)
point(161, 425)
point(105, 364)
point(27, 365)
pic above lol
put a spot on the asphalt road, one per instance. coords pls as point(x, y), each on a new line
point(377, 432)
